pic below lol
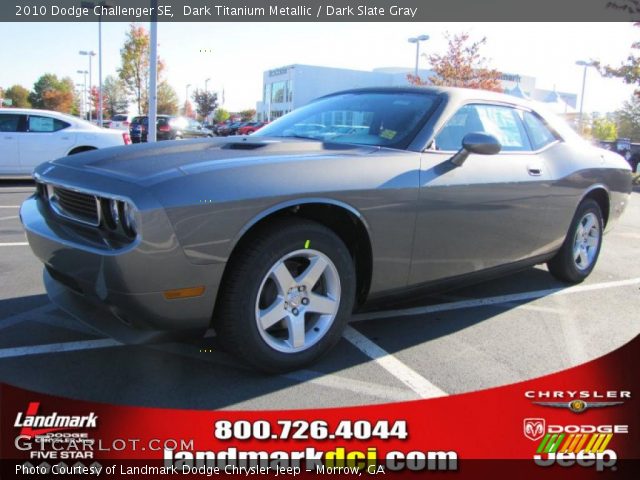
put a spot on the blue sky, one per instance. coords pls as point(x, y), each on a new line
point(238, 53)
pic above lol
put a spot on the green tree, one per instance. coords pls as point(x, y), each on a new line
point(628, 119)
point(604, 128)
point(168, 103)
point(51, 93)
point(114, 97)
point(206, 102)
point(18, 95)
point(461, 66)
point(248, 114)
point(221, 115)
point(134, 69)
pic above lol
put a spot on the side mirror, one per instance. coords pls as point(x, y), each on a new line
point(480, 143)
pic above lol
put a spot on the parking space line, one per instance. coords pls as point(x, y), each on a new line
point(416, 382)
point(27, 315)
point(9, 218)
point(497, 300)
point(58, 347)
point(14, 244)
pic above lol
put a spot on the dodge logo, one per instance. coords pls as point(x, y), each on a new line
point(534, 428)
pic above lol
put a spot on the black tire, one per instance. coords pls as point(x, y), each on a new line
point(235, 318)
point(563, 265)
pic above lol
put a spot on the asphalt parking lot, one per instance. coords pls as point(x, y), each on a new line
point(512, 329)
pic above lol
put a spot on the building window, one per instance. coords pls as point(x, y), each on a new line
point(278, 92)
point(289, 92)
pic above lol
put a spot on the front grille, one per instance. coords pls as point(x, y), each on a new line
point(74, 205)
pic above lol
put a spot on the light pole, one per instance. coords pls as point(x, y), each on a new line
point(417, 40)
point(84, 96)
point(153, 74)
point(90, 54)
point(205, 84)
point(582, 63)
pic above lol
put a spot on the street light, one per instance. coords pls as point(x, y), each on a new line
point(90, 54)
point(205, 84)
point(417, 40)
point(582, 63)
point(91, 5)
point(84, 96)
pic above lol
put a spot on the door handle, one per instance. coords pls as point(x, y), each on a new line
point(534, 170)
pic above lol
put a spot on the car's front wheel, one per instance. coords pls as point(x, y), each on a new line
point(581, 248)
point(287, 296)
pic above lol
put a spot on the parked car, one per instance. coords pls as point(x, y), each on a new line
point(121, 121)
point(250, 128)
point(230, 129)
point(168, 128)
point(29, 137)
point(276, 238)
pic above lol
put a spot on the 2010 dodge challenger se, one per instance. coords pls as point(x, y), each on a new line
point(274, 239)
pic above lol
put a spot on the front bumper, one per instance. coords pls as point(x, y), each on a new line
point(119, 292)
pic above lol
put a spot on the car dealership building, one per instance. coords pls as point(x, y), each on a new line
point(287, 88)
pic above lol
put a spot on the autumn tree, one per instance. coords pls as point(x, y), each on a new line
point(206, 102)
point(461, 66)
point(629, 71)
point(51, 93)
point(246, 115)
point(187, 110)
point(18, 95)
point(168, 103)
point(114, 97)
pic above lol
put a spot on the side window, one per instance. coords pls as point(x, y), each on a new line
point(539, 133)
point(10, 122)
point(502, 122)
point(45, 124)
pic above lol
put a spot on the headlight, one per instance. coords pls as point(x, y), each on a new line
point(129, 218)
point(114, 211)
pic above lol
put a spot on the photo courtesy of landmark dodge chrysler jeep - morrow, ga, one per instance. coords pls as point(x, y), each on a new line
point(275, 239)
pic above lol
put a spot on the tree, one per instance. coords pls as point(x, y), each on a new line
point(187, 110)
point(604, 128)
point(206, 102)
point(247, 115)
point(134, 71)
point(52, 93)
point(18, 95)
point(629, 72)
point(168, 103)
point(221, 115)
point(628, 119)
point(114, 97)
point(461, 66)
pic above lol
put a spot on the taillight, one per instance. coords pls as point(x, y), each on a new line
point(126, 138)
point(164, 128)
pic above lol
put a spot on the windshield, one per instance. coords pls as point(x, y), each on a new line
point(368, 118)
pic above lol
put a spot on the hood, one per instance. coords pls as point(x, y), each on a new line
point(144, 161)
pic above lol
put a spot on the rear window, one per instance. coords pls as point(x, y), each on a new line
point(119, 118)
point(139, 120)
point(41, 124)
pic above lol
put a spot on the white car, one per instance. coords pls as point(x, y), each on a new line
point(29, 137)
point(121, 121)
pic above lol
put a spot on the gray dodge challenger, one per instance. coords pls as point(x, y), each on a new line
point(275, 239)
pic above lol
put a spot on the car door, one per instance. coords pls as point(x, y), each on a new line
point(45, 138)
point(489, 211)
point(10, 125)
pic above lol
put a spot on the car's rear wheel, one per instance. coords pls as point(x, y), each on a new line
point(287, 296)
point(581, 248)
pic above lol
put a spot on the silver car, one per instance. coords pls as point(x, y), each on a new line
point(276, 238)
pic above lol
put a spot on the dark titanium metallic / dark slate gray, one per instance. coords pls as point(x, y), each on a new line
point(385, 192)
